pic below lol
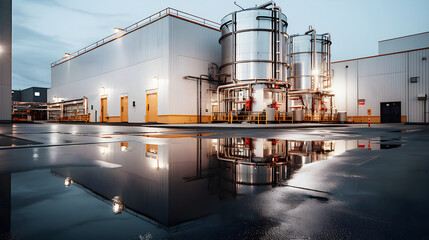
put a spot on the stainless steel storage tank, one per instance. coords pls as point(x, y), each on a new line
point(254, 45)
point(309, 56)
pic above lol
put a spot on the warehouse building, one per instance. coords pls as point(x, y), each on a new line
point(393, 85)
point(148, 72)
point(29, 104)
point(31, 94)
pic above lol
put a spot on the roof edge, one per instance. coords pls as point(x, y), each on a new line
point(381, 55)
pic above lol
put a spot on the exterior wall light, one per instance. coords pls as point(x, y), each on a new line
point(103, 91)
point(68, 181)
point(116, 30)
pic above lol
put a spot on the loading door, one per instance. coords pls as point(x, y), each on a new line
point(124, 109)
point(390, 112)
point(152, 107)
point(103, 110)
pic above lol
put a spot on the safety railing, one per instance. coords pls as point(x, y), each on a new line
point(256, 117)
point(284, 117)
point(235, 117)
point(75, 118)
point(318, 117)
point(124, 31)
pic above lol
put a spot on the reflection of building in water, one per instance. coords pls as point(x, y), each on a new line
point(175, 180)
point(163, 179)
point(250, 162)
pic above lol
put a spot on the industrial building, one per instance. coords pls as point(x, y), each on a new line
point(5, 59)
point(174, 67)
point(29, 104)
point(393, 85)
point(138, 74)
point(31, 94)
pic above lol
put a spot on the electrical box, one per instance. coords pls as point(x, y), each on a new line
point(414, 79)
point(422, 97)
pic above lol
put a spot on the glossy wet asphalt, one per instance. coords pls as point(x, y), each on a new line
point(317, 183)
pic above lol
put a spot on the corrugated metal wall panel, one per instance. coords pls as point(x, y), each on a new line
point(418, 68)
point(124, 66)
point(404, 43)
point(344, 86)
point(193, 48)
point(383, 79)
point(169, 49)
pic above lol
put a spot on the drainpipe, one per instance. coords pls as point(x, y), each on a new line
point(313, 57)
point(329, 52)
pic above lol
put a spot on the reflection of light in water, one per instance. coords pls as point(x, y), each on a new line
point(35, 153)
point(105, 164)
point(68, 181)
point(155, 163)
point(124, 148)
point(117, 206)
point(104, 150)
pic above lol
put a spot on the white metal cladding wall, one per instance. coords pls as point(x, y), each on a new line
point(404, 43)
point(125, 66)
point(344, 85)
point(418, 67)
point(382, 79)
point(192, 49)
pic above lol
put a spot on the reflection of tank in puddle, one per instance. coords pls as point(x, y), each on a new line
point(250, 162)
point(305, 152)
point(176, 180)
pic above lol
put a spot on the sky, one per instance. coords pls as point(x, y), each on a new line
point(43, 30)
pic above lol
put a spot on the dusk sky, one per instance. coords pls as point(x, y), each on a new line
point(43, 30)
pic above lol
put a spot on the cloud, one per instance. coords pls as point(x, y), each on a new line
point(53, 3)
point(32, 53)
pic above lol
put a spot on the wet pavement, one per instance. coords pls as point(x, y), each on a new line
point(64, 181)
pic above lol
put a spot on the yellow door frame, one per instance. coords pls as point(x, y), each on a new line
point(147, 106)
point(124, 115)
point(103, 110)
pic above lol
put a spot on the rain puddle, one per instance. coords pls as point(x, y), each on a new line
point(161, 184)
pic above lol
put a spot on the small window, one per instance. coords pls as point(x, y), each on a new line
point(414, 79)
point(37, 94)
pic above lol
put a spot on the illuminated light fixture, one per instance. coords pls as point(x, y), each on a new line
point(1, 49)
point(67, 55)
point(116, 30)
point(117, 206)
point(102, 91)
point(68, 181)
point(156, 78)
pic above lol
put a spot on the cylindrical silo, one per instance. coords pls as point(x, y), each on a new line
point(309, 58)
point(254, 62)
point(254, 45)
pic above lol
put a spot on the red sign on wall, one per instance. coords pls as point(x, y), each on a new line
point(361, 101)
